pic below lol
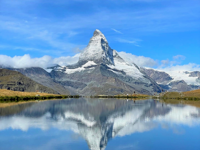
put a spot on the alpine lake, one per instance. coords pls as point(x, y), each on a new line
point(100, 124)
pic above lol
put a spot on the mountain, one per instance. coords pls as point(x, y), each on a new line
point(13, 80)
point(41, 76)
point(175, 80)
point(158, 76)
point(194, 74)
point(100, 70)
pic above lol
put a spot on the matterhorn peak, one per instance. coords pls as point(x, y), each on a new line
point(99, 35)
point(97, 50)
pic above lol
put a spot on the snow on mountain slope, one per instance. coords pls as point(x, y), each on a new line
point(82, 68)
point(97, 50)
point(184, 75)
point(178, 75)
point(130, 69)
point(166, 77)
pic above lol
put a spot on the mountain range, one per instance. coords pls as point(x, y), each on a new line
point(179, 81)
point(102, 71)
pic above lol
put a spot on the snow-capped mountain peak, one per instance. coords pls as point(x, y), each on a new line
point(97, 50)
point(98, 34)
point(101, 68)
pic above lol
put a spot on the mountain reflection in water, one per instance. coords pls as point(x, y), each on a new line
point(97, 121)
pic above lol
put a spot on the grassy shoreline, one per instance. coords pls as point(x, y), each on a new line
point(16, 96)
point(189, 95)
point(27, 98)
point(180, 98)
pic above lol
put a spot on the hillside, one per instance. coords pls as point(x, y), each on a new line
point(15, 81)
point(193, 95)
point(41, 76)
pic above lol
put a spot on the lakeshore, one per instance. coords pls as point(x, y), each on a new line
point(189, 95)
point(16, 96)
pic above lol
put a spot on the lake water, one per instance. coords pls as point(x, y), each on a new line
point(95, 124)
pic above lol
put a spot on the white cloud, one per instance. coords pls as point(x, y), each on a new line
point(164, 65)
point(186, 67)
point(135, 42)
point(176, 61)
point(165, 62)
point(77, 50)
point(180, 57)
point(44, 62)
point(117, 31)
point(67, 60)
point(174, 65)
point(54, 32)
point(138, 60)
point(47, 61)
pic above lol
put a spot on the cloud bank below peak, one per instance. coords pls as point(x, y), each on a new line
point(46, 61)
point(26, 61)
point(139, 60)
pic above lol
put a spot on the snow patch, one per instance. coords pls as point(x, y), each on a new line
point(182, 75)
point(89, 63)
point(178, 75)
point(82, 68)
point(130, 69)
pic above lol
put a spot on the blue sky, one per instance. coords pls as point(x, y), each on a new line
point(166, 31)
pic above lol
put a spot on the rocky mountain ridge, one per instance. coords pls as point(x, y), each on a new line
point(13, 80)
point(41, 76)
point(179, 81)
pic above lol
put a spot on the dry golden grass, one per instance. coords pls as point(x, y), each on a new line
point(172, 95)
point(189, 94)
point(194, 93)
point(4, 92)
point(141, 95)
